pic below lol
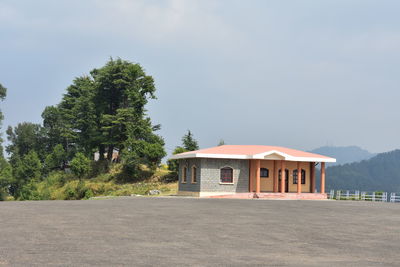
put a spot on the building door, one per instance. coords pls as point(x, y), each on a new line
point(286, 180)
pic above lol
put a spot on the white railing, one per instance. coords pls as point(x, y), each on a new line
point(394, 197)
point(363, 196)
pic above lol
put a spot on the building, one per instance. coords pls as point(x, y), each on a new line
point(250, 171)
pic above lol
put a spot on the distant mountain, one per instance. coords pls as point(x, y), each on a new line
point(345, 154)
point(380, 173)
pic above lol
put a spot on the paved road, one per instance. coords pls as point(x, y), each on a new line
point(199, 232)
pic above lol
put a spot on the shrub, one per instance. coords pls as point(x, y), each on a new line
point(99, 167)
point(3, 195)
point(80, 165)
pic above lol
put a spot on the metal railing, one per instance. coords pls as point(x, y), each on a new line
point(363, 196)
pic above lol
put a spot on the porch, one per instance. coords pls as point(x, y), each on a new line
point(282, 196)
point(281, 177)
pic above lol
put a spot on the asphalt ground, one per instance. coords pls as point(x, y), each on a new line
point(146, 231)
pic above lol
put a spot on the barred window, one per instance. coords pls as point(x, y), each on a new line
point(264, 172)
point(303, 177)
point(226, 175)
point(295, 178)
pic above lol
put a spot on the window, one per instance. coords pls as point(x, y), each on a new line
point(194, 175)
point(295, 177)
point(227, 175)
point(264, 172)
point(303, 177)
point(184, 174)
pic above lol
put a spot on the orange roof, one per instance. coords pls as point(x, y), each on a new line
point(254, 152)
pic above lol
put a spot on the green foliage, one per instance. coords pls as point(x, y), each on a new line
point(221, 142)
point(381, 172)
point(80, 165)
point(25, 170)
point(101, 112)
point(56, 160)
point(26, 137)
point(188, 142)
point(105, 112)
point(173, 163)
point(3, 93)
point(29, 191)
point(6, 178)
point(62, 186)
point(3, 194)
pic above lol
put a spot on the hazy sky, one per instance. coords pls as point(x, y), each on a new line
point(300, 74)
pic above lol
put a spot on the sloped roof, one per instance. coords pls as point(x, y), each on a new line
point(254, 152)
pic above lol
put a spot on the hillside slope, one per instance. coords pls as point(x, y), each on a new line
point(343, 155)
point(380, 173)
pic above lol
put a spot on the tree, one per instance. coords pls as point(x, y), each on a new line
point(122, 89)
point(6, 178)
point(26, 137)
point(56, 160)
point(188, 142)
point(80, 165)
point(221, 142)
point(73, 122)
point(25, 170)
point(5, 169)
point(105, 111)
point(173, 163)
point(3, 93)
point(142, 147)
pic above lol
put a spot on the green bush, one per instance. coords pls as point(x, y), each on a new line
point(80, 165)
point(99, 167)
point(3, 195)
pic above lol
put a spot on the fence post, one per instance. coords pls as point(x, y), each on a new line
point(357, 195)
point(338, 195)
point(373, 196)
point(347, 195)
point(362, 195)
point(384, 197)
point(392, 197)
point(331, 194)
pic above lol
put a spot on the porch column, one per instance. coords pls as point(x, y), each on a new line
point(322, 177)
point(275, 177)
point(258, 186)
point(283, 174)
point(312, 177)
point(298, 178)
point(251, 173)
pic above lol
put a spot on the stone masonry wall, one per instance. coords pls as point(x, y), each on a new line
point(189, 186)
point(210, 175)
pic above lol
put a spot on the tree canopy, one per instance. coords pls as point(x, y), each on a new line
point(188, 142)
point(3, 94)
point(104, 112)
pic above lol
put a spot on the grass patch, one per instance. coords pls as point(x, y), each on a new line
point(63, 186)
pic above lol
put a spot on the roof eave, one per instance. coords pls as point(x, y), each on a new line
point(258, 156)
